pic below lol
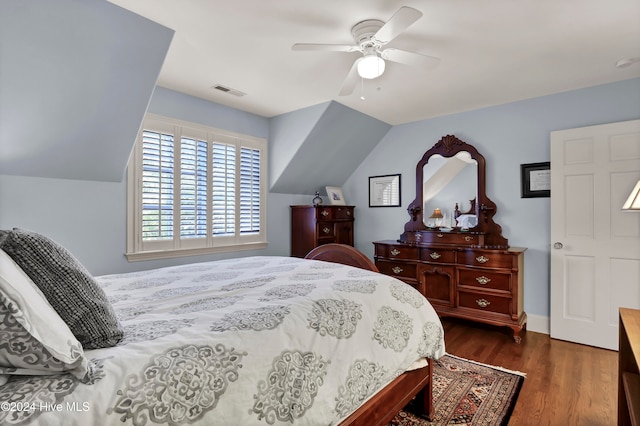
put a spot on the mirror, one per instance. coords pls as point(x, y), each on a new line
point(449, 190)
point(452, 174)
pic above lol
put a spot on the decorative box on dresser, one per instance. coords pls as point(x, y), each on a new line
point(312, 226)
point(463, 265)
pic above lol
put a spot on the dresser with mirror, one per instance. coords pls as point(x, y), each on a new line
point(451, 249)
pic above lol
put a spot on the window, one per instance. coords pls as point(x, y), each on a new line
point(194, 190)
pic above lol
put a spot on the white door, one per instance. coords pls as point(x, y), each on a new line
point(595, 247)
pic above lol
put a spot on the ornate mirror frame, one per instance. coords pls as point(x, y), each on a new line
point(485, 209)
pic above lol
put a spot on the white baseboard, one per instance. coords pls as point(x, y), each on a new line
point(538, 324)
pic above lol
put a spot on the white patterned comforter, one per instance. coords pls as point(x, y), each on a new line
point(248, 341)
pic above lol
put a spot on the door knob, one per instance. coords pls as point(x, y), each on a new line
point(557, 246)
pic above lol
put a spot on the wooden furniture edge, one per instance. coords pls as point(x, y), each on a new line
point(342, 253)
point(629, 367)
point(384, 405)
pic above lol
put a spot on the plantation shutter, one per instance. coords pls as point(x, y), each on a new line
point(249, 190)
point(193, 188)
point(157, 186)
point(223, 189)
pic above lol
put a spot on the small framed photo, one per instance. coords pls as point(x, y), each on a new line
point(384, 191)
point(535, 180)
point(334, 194)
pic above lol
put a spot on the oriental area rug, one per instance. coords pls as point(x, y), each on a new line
point(468, 393)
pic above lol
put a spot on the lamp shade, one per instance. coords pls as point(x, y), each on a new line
point(371, 66)
point(437, 214)
point(633, 202)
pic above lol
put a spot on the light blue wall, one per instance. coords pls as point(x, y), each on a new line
point(89, 219)
point(188, 108)
point(507, 135)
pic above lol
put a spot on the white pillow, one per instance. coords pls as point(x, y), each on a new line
point(34, 339)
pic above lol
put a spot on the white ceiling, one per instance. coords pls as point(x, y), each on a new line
point(491, 51)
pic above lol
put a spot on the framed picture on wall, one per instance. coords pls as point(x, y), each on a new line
point(334, 194)
point(535, 180)
point(384, 191)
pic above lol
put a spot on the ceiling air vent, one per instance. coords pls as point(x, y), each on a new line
point(229, 90)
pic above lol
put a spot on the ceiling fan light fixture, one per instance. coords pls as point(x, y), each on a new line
point(371, 66)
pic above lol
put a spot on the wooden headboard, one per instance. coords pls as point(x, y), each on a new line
point(341, 253)
point(472, 209)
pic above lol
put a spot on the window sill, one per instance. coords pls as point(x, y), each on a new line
point(169, 254)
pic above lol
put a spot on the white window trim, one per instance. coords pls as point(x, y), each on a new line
point(139, 251)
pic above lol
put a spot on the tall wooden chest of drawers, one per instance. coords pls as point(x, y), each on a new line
point(312, 226)
point(478, 284)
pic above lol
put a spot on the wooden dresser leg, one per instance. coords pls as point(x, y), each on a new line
point(516, 334)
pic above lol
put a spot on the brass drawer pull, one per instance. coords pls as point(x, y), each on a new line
point(396, 269)
point(439, 235)
point(482, 259)
point(435, 255)
point(324, 213)
point(326, 230)
point(483, 303)
point(348, 212)
point(483, 280)
point(468, 238)
point(395, 252)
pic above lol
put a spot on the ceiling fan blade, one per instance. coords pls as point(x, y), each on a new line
point(400, 21)
point(351, 80)
point(409, 58)
point(325, 47)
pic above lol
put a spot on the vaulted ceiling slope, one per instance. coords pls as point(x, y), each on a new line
point(75, 82)
point(320, 146)
point(76, 78)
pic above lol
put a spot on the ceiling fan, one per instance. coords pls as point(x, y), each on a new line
point(370, 37)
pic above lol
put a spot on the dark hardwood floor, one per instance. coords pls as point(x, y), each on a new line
point(566, 384)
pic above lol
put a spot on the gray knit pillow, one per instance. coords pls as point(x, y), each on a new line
point(67, 285)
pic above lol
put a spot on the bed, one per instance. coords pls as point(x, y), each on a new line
point(256, 340)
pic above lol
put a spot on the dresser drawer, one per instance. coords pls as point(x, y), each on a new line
point(397, 269)
point(325, 229)
point(334, 213)
point(484, 302)
point(399, 252)
point(343, 212)
point(484, 279)
point(454, 238)
point(487, 259)
point(437, 255)
point(324, 213)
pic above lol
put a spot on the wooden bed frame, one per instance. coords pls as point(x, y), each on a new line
point(418, 384)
